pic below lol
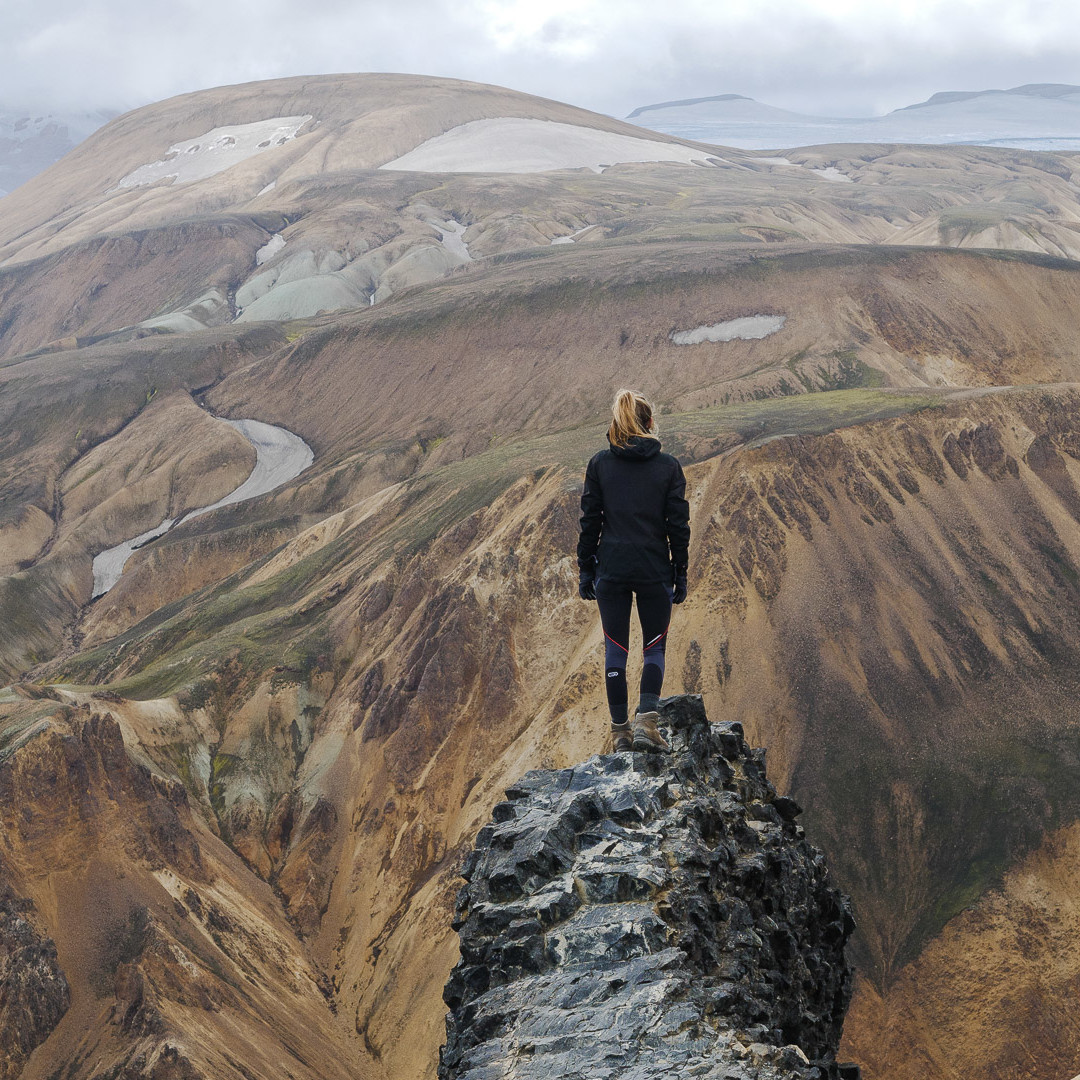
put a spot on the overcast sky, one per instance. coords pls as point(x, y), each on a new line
point(837, 57)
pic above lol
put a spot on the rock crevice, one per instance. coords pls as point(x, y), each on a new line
point(639, 915)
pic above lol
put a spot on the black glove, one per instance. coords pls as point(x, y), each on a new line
point(678, 592)
point(587, 585)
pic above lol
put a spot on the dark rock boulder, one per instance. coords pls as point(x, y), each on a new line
point(34, 993)
point(646, 915)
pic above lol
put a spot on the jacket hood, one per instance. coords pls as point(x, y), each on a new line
point(639, 449)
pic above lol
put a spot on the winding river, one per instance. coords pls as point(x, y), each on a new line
point(280, 456)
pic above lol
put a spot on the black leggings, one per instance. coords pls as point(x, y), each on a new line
point(614, 599)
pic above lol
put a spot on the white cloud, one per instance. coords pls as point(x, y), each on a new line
point(840, 56)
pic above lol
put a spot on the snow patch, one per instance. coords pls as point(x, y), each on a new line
point(509, 144)
point(109, 565)
point(748, 328)
point(269, 249)
point(280, 456)
point(572, 238)
point(217, 150)
point(452, 234)
point(269, 187)
point(831, 172)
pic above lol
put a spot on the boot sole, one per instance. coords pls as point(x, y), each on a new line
point(645, 745)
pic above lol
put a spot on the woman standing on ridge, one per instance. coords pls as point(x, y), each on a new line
point(635, 539)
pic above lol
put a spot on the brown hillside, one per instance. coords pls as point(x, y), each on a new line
point(517, 349)
point(874, 604)
point(359, 123)
point(993, 992)
point(528, 345)
point(178, 963)
point(319, 695)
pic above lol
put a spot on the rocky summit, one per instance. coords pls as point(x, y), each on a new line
point(645, 915)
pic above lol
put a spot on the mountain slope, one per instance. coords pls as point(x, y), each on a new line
point(332, 685)
point(328, 124)
point(484, 358)
point(424, 715)
point(258, 213)
point(178, 963)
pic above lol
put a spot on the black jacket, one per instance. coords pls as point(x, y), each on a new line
point(635, 520)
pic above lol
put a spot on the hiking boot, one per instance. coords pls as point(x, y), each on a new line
point(646, 734)
point(622, 738)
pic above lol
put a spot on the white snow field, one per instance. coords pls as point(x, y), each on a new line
point(1035, 117)
point(572, 238)
point(272, 246)
point(216, 151)
point(748, 328)
point(831, 172)
point(280, 456)
point(510, 144)
point(452, 234)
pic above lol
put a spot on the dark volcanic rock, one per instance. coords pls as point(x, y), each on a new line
point(644, 915)
point(34, 994)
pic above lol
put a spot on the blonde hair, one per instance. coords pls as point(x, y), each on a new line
point(631, 416)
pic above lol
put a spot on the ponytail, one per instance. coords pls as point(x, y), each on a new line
point(632, 416)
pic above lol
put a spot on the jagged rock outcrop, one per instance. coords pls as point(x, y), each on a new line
point(114, 897)
point(34, 992)
point(643, 916)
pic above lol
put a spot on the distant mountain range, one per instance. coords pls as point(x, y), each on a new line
point(31, 141)
point(1038, 116)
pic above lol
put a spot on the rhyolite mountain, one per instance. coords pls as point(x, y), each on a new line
point(280, 200)
point(323, 692)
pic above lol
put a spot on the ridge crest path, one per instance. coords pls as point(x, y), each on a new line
point(640, 916)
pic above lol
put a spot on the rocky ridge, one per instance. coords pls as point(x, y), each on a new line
point(34, 993)
point(638, 916)
point(145, 951)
